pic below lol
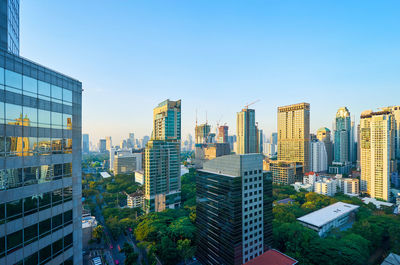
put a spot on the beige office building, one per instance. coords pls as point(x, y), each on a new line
point(124, 163)
point(246, 132)
point(294, 134)
point(377, 151)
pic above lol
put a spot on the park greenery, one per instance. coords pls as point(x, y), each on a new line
point(374, 232)
point(170, 235)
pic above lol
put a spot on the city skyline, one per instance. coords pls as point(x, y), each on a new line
point(312, 52)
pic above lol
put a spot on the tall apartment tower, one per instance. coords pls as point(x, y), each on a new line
point(396, 113)
point(324, 135)
point(377, 151)
point(40, 156)
point(162, 159)
point(109, 144)
point(342, 136)
point(222, 136)
point(85, 143)
point(234, 210)
point(294, 134)
point(9, 26)
point(246, 132)
point(201, 133)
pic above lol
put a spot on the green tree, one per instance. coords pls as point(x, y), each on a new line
point(186, 249)
point(98, 233)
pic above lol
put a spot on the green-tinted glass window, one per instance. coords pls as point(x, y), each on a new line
point(13, 79)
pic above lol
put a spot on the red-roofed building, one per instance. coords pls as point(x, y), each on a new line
point(272, 257)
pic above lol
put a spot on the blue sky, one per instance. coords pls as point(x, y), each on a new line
point(217, 56)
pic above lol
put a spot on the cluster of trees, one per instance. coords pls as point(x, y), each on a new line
point(130, 255)
point(170, 235)
point(374, 231)
point(119, 219)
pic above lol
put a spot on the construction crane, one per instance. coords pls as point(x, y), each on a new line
point(254, 102)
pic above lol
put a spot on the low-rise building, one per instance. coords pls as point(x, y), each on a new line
point(139, 176)
point(284, 172)
point(135, 200)
point(338, 215)
point(88, 224)
point(377, 203)
point(326, 186)
point(124, 163)
point(298, 186)
point(349, 186)
point(272, 257)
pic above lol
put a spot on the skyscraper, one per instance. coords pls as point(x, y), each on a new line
point(108, 143)
point(162, 159)
point(377, 151)
point(274, 138)
point(41, 154)
point(103, 145)
point(344, 141)
point(85, 143)
point(9, 26)
point(234, 210)
point(319, 157)
point(131, 140)
point(246, 132)
point(222, 136)
point(324, 135)
point(294, 134)
point(201, 133)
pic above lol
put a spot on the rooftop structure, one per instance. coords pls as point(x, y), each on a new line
point(272, 257)
point(391, 259)
point(377, 203)
point(105, 175)
point(335, 215)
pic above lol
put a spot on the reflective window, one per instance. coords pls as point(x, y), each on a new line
point(44, 200)
point(30, 234)
point(44, 118)
point(14, 210)
point(56, 120)
point(68, 194)
point(67, 121)
point(44, 145)
point(57, 246)
point(13, 114)
point(14, 240)
point(45, 254)
point(56, 92)
point(44, 88)
point(57, 197)
point(30, 116)
point(30, 86)
point(57, 221)
point(1, 76)
point(2, 213)
point(45, 174)
point(67, 95)
point(44, 228)
point(13, 79)
point(30, 205)
point(2, 116)
point(31, 175)
point(32, 259)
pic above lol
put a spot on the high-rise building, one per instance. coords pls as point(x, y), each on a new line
point(246, 132)
point(85, 143)
point(234, 210)
point(274, 138)
point(102, 145)
point(222, 136)
point(9, 26)
point(260, 140)
point(319, 157)
point(201, 133)
point(396, 113)
point(41, 154)
point(131, 140)
point(162, 159)
point(324, 135)
point(342, 135)
point(124, 163)
point(294, 134)
point(377, 151)
point(109, 144)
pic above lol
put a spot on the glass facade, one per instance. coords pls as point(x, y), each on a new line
point(40, 171)
point(9, 25)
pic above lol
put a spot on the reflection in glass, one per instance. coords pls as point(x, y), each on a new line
point(67, 146)
point(1, 76)
point(13, 79)
point(13, 113)
point(44, 146)
point(56, 145)
point(31, 116)
point(2, 146)
point(30, 205)
point(31, 175)
point(2, 116)
point(67, 121)
point(45, 174)
point(44, 200)
point(14, 209)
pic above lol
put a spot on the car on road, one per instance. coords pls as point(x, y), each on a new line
point(116, 262)
point(111, 246)
point(119, 248)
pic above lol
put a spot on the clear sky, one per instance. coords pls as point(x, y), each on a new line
point(217, 56)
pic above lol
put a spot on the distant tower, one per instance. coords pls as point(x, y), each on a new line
point(324, 135)
point(246, 132)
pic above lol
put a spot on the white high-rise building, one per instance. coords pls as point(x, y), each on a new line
point(377, 150)
point(319, 157)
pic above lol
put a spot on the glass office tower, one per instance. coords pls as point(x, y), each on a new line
point(40, 164)
point(9, 26)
